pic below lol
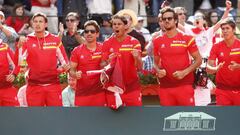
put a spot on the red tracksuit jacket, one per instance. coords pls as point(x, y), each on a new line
point(6, 62)
point(42, 56)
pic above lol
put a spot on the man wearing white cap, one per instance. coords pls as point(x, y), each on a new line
point(7, 34)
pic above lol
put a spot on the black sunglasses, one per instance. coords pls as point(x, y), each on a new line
point(91, 31)
point(167, 18)
point(70, 20)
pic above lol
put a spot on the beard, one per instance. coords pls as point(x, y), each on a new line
point(168, 28)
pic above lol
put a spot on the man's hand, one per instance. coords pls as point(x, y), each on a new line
point(78, 74)
point(10, 78)
point(61, 28)
point(104, 77)
point(74, 29)
point(111, 57)
point(233, 66)
point(22, 40)
point(161, 73)
point(228, 4)
point(220, 65)
point(66, 67)
point(165, 4)
point(179, 74)
point(136, 53)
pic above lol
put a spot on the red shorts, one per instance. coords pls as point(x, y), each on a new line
point(8, 97)
point(49, 95)
point(177, 96)
point(98, 99)
point(133, 98)
point(227, 97)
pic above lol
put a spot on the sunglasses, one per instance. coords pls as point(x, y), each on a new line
point(91, 31)
point(167, 18)
point(70, 20)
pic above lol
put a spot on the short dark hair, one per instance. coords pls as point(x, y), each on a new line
point(92, 23)
point(122, 18)
point(169, 9)
point(74, 14)
point(41, 15)
point(230, 22)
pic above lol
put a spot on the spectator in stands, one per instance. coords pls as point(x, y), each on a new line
point(212, 18)
point(47, 7)
point(118, 5)
point(138, 7)
point(182, 16)
point(145, 32)
point(202, 34)
point(224, 60)
point(204, 5)
point(78, 6)
point(84, 59)
point(156, 6)
point(99, 8)
point(27, 29)
point(18, 20)
point(220, 7)
point(132, 21)
point(106, 29)
point(71, 37)
point(186, 4)
point(43, 51)
point(8, 93)
point(176, 77)
point(68, 94)
point(7, 34)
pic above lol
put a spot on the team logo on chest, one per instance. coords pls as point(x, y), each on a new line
point(111, 50)
point(163, 46)
point(81, 57)
point(221, 54)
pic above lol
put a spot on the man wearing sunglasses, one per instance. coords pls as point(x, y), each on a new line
point(71, 36)
point(172, 62)
point(84, 59)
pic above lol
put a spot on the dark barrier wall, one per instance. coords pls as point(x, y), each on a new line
point(126, 121)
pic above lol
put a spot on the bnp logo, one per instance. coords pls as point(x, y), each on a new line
point(189, 121)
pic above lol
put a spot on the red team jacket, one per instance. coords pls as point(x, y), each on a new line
point(87, 60)
point(124, 48)
point(6, 62)
point(42, 56)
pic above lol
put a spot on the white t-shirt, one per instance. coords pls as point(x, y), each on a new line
point(203, 40)
point(99, 6)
